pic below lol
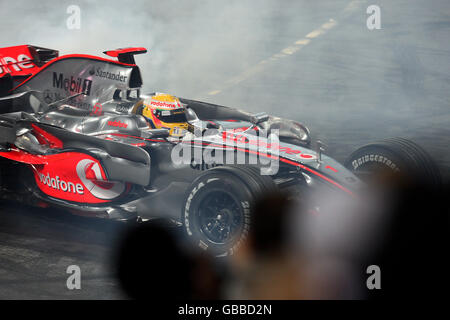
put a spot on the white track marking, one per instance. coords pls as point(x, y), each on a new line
point(290, 50)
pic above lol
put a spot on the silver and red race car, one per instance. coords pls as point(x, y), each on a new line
point(76, 132)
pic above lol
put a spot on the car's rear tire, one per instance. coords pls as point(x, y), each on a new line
point(399, 158)
point(218, 206)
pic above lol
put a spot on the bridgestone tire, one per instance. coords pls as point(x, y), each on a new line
point(218, 206)
point(398, 156)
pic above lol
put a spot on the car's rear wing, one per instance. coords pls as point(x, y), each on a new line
point(125, 55)
point(88, 80)
point(18, 64)
point(24, 60)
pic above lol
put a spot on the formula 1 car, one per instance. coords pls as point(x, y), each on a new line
point(75, 132)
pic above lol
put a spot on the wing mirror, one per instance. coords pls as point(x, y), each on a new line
point(258, 118)
point(155, 133)
point(212, 125)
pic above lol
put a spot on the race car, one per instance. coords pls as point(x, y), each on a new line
point(76, 132)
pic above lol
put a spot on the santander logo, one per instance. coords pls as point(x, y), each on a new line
point(95, 180)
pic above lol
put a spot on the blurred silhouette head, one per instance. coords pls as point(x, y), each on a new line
point(270, 218)
point(152, 264)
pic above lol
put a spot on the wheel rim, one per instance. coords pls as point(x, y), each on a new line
point(219, 217)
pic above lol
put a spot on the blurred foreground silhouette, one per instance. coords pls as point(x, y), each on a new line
point(295, 253)
point(152, 264)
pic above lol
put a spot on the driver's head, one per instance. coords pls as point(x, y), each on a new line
point(166, 111)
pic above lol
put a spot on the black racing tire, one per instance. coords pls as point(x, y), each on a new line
point(400, 157)
point(218, 206)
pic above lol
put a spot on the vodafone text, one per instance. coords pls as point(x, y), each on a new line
point(62, 185)
point(22, 62)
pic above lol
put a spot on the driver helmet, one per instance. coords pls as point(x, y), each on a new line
point(164, 111)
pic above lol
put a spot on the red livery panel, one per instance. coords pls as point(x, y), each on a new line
point(18, 61)
point(76, 177)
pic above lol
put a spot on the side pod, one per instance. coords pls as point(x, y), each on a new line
point(122, 162)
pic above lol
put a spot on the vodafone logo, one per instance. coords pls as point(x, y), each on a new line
point(58, 184)
point(10, 64)
point(95, 181)
point(117, 124)
point(167, 105)
point(242, 139)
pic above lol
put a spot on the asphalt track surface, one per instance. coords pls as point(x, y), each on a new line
point(316, 63)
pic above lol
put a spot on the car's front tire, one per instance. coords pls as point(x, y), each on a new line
point(396, 158)
point(218, 206)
